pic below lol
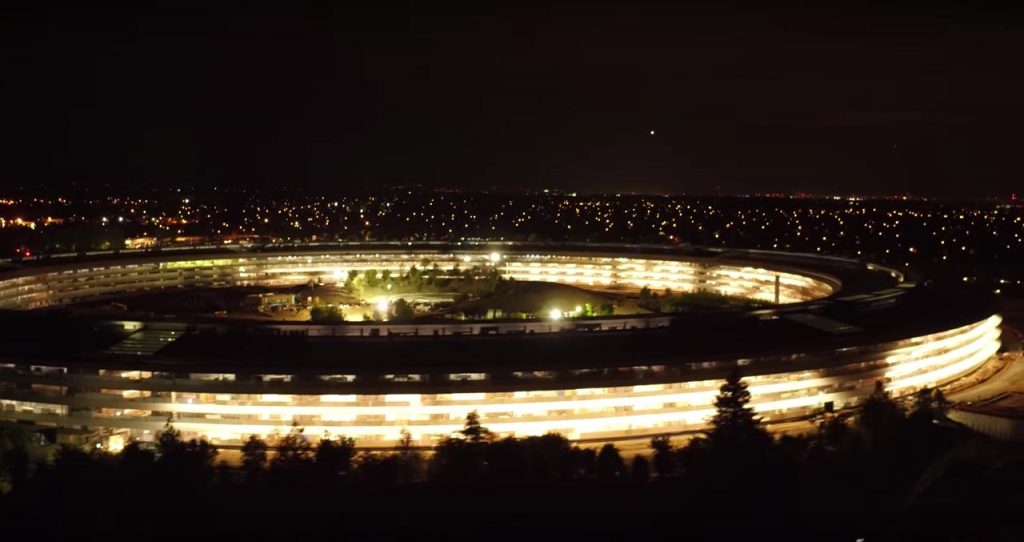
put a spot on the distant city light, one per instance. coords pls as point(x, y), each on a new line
point(555, 314)
point(495, 257)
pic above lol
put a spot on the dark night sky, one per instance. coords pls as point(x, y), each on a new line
point(741, 101)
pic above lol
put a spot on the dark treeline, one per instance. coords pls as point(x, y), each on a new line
point(885, 472)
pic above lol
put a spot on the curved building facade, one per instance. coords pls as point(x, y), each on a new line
point(830, 329)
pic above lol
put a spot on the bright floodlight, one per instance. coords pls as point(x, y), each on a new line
point(382, 305)
point(555, 314)
point(338, 274)
point(495, 257)
point(579, 309)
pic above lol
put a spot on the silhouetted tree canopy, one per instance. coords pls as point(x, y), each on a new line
point(640, 469)
point(664, 457)
point(334, 457)
point(883, 420)
point(292, 450)
point(610, 465)
point(254, 457)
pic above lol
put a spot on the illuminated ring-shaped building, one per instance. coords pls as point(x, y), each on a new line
point(830, 329)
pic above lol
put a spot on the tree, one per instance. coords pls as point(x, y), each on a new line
point(640, 469)
point(370, 278)
point(458, 459)
point(610, 465)
point(201, 452)
point(582, 462)
point(930, 405)
point(509, 459)
point(410, 460)
point(550, 456)
point(334, 457)
point(169, 440)
point(664, 457)
point(414, 278)
point(734, 424)
point(189, 465)
point(402, 311)
point(15, 465)
point(293, 449)
point(326, 314)
point(71, 461)
point(833, 432)
point(136, 460)
point(473, 431)
point(254, 456)
point(881, 418)
point(463, 457)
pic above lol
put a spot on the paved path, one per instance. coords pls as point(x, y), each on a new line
point(1011, 377)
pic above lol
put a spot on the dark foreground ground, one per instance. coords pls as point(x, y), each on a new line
point(977, 499)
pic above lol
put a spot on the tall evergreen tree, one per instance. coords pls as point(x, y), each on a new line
point(473, 431)
point(464, 458)
point(734, 423)
point(169, 441)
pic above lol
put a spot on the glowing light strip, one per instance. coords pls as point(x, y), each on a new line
point(927, 344)
point(911, 367)
point(949, 371)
